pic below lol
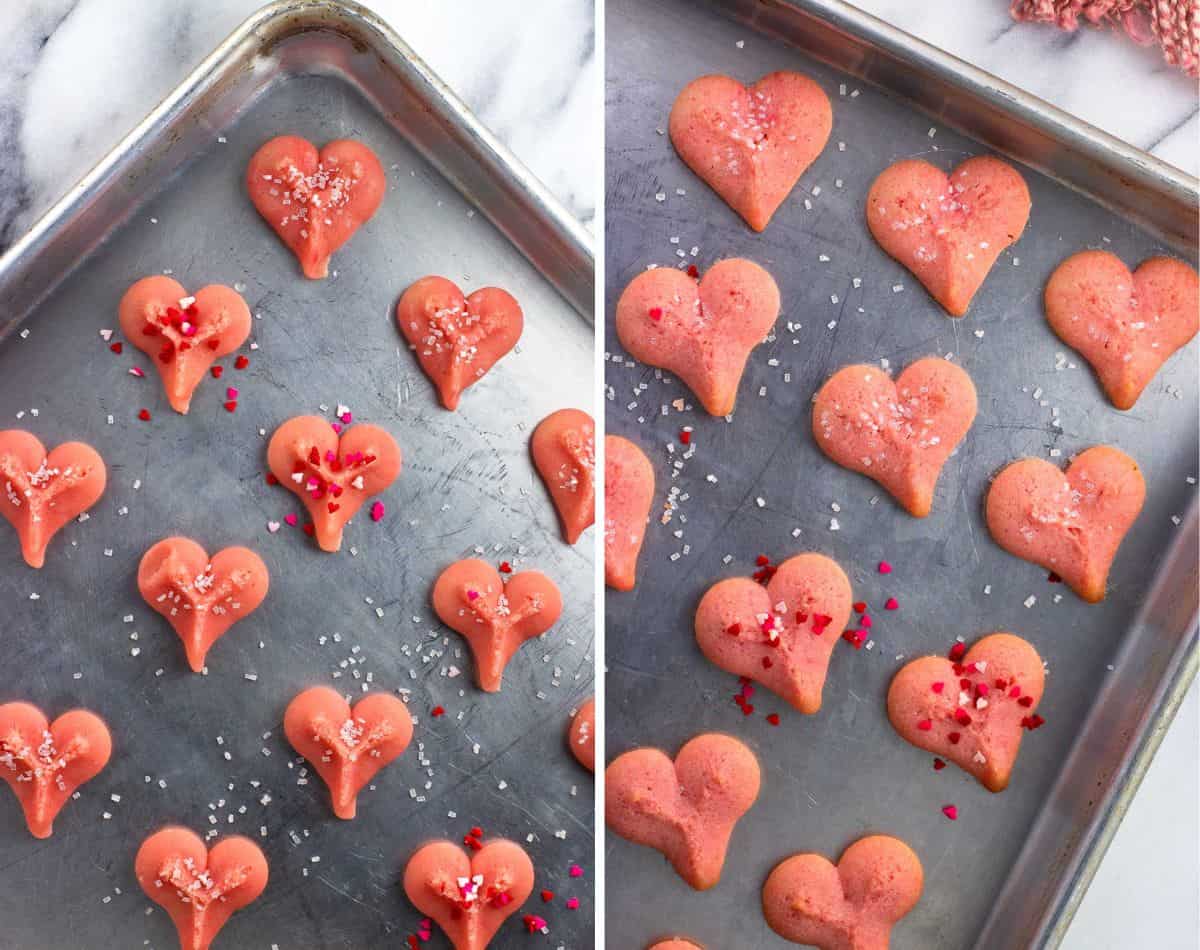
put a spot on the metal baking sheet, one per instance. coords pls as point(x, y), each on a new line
point(1008, 873)
point(188, 747)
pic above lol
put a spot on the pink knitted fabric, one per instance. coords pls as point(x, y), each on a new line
point(1175, 24)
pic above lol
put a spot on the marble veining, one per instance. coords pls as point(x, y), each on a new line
point(76, 75)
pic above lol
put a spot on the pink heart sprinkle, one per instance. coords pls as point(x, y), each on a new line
point(231, 393)
point(951, 812)
point(291, 519)
point(136, 371)
point(377, 511)
point(892, 604)
point(336, 427)
point(573, 903)
point(347, 417)
point(576, 871)
point(272, 526)
point(472, 595)
point(885, 567)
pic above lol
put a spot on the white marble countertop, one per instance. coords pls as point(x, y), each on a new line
point(529, 69)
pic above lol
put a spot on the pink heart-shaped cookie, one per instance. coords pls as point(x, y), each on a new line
point(702, 332)
point(43, 491)
point(948, 229)
point(458, 339)
point(184, 334)
point(852, 905)
point(687, 808)
point(972, 710)
point(332, 473)
point(781, 635)
point(347, 746)
point(564, 453)
point(676, 943)
point(897, 433)
point(751, 144)
point(495, 615)
point(44, 763)
point(200, 888)
point(1073, 523)
point(201, 597)
point(315, 201)
point(1126, 325)
point(581, 737)
point(628, 494)
point(469, 897)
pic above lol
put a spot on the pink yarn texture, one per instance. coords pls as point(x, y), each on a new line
point(1174, 24)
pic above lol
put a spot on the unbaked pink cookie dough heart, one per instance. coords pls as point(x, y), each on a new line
point(751, 144)
point(971, 710)
point(702, 332)
point(948, 229)
point(564, 453)
point(1072, 523)
point(1126, 325)
point(687, 808)
point(897, 433)
point(852, 905)
point(495, 615)
point(469, 896)
point(781, 635)
point(628, 494)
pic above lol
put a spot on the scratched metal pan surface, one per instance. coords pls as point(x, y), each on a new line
point(1009, 871)
point(208, 751)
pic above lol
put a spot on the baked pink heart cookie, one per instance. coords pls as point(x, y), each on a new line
point(201, 597)
point(332, 472)
point(780, 635)
point(184, 334)
point(582, 735)
point(948, 229)
point(45, 762)
point(851, 905)
point(44, 490)
point(702, 332)
point(564, 453)
point(751, 144)
point(199, 887)
point(971, 710)
point(897, 433)
point(347, 746)
point(1126, 325)
point(495, 615)
point(628, 494)
point(676, 943)
point(469, 896)
point(687, 808)
point(1072, 523)
point(458, 339)
point(315, 201)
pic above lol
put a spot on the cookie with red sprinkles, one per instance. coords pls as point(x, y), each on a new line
point(973, 707)
point(183, 334)
point(781, 635)
point(686, 808)
point(333, 471)
point(876, 882)
point(470, 895)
